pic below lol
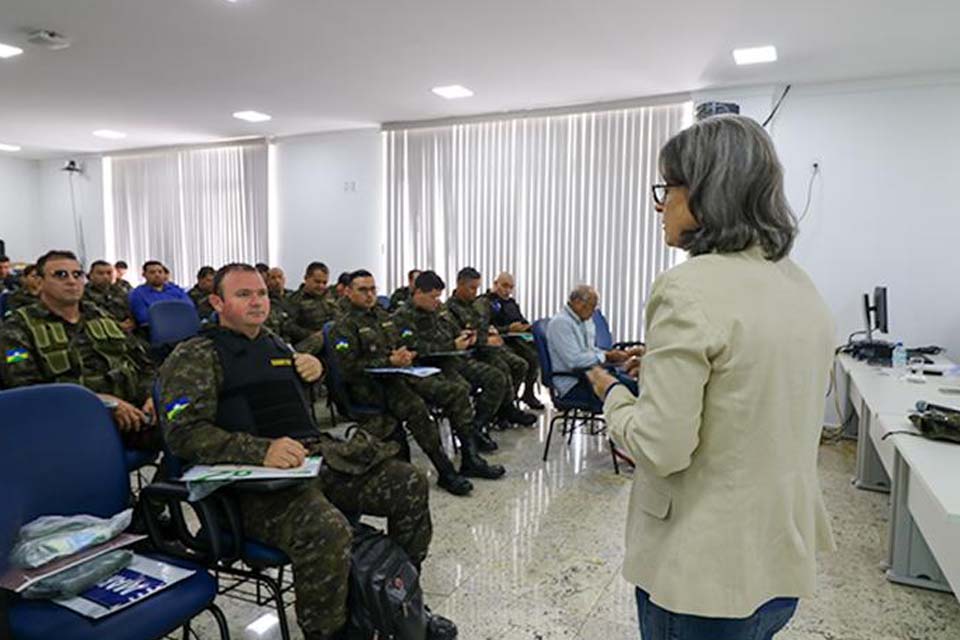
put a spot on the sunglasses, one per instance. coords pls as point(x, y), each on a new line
point(63, 274)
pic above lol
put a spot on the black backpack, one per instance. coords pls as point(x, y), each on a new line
point(385, 600)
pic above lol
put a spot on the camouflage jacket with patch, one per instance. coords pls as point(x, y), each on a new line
point(425, 332)
point(116, 364)
point(112, 299)
point(190, 383)
point(472, 315)
point(308, 313)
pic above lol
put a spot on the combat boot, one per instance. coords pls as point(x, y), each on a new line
point(440, 628)
point(530, 399)
point(485, 443)
point(473, 466)
point(449, 479)
point(516, 416)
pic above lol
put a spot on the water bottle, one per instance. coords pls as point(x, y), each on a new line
point(899, 359)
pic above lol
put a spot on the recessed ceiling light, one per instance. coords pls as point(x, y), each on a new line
point(452, 92)
point(252, 116)
point(110, 134)
point(8, 51)
point(755, 55)
point(9, 147)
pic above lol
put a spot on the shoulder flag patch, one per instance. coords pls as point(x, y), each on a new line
point(406, 333)
point(17, 355)
point(175, 408)
point(342, 345)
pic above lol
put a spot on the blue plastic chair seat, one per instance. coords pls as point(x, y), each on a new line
point(258, 554)
point(154, 617)
point(135, 458)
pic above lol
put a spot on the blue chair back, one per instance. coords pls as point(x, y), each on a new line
point(3, 304)
point(172, 321)
point(384, 302)
point(604, 339)
point(61, 446)
point(539, 330)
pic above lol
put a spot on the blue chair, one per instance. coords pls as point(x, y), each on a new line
point(67, 459)
point(3, 304)
point(384, 302)
point(604, 338)
point(571, 412)
point(172, 321)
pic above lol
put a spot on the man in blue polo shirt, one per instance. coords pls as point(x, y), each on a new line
point(155, 289)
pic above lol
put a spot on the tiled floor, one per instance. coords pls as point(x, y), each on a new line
point(537, 556)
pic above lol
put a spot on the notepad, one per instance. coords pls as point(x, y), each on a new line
point(416, 372)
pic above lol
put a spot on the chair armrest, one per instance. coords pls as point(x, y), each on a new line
point(266, 486)
point(220, 533)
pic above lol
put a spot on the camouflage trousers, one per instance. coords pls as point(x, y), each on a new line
point(492, 385)
point(450, 392)
point(308, 524)
point(508, 362)
point(528, 352)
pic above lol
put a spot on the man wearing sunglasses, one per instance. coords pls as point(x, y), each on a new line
point(63, 338)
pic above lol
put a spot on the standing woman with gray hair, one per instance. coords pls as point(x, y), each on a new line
point(726, 513)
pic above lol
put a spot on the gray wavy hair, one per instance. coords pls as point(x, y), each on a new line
point(735, 180)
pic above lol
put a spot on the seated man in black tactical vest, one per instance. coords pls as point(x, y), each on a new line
point(236, 394)
point(63, 338)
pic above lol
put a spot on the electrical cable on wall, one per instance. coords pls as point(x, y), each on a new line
point(776, 107)
point(806, 207)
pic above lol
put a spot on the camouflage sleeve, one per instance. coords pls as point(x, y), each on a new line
point(145, 364)
point(19, 366)
point(350, 356)
point(295, 331)
point(190, 380)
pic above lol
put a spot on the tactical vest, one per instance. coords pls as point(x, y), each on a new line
point(261, 392)
point(63, 364)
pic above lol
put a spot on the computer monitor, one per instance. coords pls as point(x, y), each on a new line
point(878, 310)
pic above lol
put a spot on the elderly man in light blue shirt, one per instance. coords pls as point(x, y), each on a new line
point(572, 337)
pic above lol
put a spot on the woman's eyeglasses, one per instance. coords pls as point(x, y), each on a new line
point(660, 191)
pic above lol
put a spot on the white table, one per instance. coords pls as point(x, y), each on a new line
point(922, 475)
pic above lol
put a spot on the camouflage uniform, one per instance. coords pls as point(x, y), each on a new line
point(429, 332)
point(111, 299)
point(308, 313)
point(281, 300)
point(364, 339)
point(20, 298)
point(201, 300)
point(526, 350)
point(305, 521)
point(473, 315)
point(124, 286)
point(400, 297)
point(40, 347)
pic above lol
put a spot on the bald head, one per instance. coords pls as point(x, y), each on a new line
point(503, 286)
point(276, 280)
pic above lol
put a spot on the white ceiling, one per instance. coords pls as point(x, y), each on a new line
point(173, 71)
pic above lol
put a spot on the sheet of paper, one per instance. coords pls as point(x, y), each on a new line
point(417, 372)
point(239, 472)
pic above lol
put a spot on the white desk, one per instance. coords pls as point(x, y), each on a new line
point(923, 475)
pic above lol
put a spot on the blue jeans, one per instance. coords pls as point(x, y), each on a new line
point(660, 624)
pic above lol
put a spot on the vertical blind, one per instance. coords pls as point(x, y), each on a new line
point(557, 201)
point(191, 207)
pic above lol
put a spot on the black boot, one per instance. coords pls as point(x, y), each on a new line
point(473, 466)
point(529, 398)
point(516, 416)
point(448, 478)
point(440, 628)
point(485, 443)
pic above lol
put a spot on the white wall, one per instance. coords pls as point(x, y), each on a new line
point(884, 210)
point(20, 224)
point(56, 213)
point(328, 202)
